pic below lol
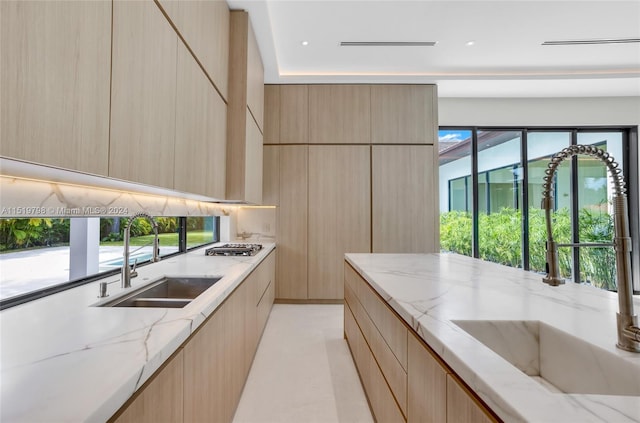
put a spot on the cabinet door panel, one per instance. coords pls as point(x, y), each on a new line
point(205, 391)
point(461, 406)
point(339, 214)
point(403, 114)
point(339, 114)
point(384, 407)
point(255, 80)
point(143, 100)
point(161, 399)
point(405, 213)
point(271, 175)
point(291, 223)
point(54, 81)
point(294, 114)
point(271, 130)
point(204, 25)
point(427, 385)
point(201, 131)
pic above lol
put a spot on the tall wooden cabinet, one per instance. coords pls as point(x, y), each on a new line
point(54, 80)
point(339, 217)
point(371, 184)
point(292, 221)
point(143, 99)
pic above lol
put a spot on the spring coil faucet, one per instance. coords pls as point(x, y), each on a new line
point(627, 320)
point(125, 274)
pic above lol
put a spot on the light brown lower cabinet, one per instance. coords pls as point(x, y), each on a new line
point(160, 400)
point(204, 381)
point(462, 407)
point(404, 380)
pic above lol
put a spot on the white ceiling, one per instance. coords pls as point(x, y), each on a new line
point(507, 59)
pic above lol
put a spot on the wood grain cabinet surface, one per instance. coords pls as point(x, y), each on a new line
point(200, 138)
point(403, 114)
point(244, 113)
point(204, 25)
point(291, 221)
point(405, 207)
point(393, 362)
point(339, 114)
point(203, 382)
point(54, 80)
point(339, 218)
point(286, 114)
point(143, 100)
point(161, 399)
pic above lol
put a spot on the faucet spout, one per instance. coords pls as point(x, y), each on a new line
point(126, 273)
point(627, 320)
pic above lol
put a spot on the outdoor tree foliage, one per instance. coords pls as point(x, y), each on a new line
point(500, 238)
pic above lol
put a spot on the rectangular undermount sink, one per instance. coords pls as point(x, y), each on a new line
point(557, 360)
point(166, 292)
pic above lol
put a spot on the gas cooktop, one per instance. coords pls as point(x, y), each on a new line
point(234, 250)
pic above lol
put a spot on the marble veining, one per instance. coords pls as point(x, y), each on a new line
point(533, 329)
point(64, 359)
point(23, 198)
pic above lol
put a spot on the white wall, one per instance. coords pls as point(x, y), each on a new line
point(574, 111)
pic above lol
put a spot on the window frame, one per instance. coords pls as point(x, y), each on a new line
point(64, 286)
point(630, 156)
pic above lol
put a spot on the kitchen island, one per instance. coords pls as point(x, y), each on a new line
point(492, 328)
point(66, 359)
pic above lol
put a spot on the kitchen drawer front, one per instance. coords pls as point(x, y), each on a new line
point(266, 274)
point(395, 375)
point(381, 400)
point(385, 320)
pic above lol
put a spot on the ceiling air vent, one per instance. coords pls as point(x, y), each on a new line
point(597, 41)
point(387, 43)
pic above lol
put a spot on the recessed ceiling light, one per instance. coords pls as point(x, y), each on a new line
point(470, 43)
point(305, 43)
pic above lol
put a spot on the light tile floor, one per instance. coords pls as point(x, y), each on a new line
point(303, 370)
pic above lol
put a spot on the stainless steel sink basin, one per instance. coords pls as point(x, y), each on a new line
point(167, 292)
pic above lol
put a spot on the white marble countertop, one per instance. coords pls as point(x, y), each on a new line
point(431, 291)
point(64, 360)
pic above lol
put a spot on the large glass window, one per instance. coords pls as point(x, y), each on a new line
point(505, 173)
point(455, 191)
point(45, 253)
point(499, 215)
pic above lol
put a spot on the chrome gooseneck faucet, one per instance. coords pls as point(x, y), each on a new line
point(125, 275)
point(628, 330)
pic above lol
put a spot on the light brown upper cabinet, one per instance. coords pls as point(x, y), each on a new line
point(204, 25)
point(271, 128)
point(404, 204)
point(403, 114)
point(271, 175)
point(55, 83)
point(201, 136)
point(143, 98)
point(339, 114)
point(244, 113)
point(339, 214)
point(286, 114)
